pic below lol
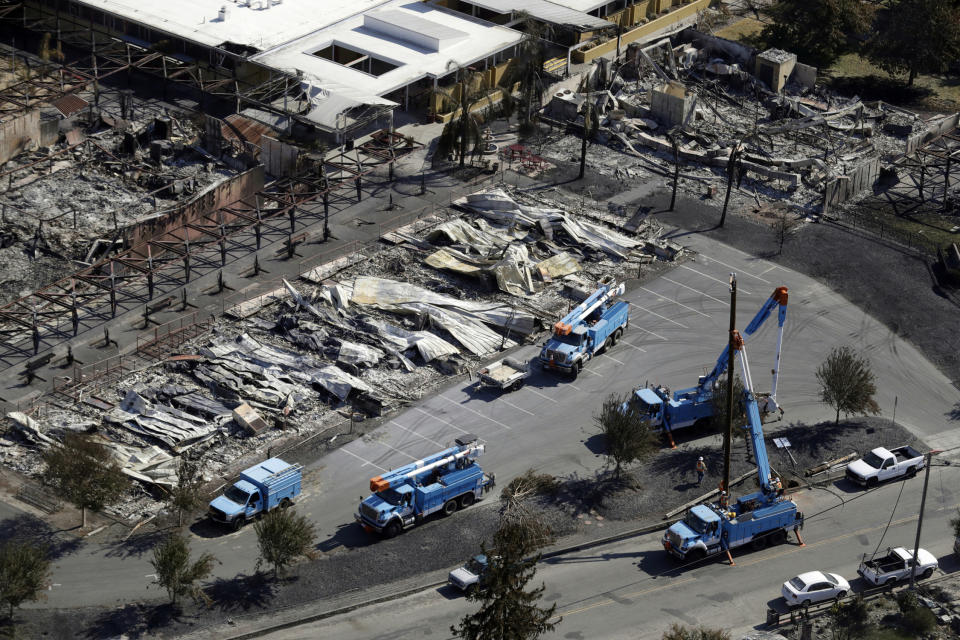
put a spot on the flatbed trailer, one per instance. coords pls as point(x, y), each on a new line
point(507, 375)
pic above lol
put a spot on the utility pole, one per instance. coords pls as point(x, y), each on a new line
point(730, 350)
point(923, 502)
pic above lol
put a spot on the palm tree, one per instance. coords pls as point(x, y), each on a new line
point(463, 130)
point(527, 66)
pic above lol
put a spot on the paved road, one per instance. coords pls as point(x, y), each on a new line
point(678, 327)
point(631, 590)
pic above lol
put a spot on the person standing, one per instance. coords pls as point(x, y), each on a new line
point(701, 469)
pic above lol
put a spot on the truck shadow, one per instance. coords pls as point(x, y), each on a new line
point(450, 592)
point(206, 528)
point(949, 563)
point(348, 536)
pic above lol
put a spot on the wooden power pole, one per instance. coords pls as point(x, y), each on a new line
point(728, 427)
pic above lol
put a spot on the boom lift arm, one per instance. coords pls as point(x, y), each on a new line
point(599, 297)
point(754, 425)
point(398, 477)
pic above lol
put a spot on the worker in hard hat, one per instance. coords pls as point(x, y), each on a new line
point(724, 500)
point(776, 485)
point(701, 469)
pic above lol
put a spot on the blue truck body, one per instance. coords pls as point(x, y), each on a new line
point(694, 406)
point(758, 518)
point(591, 327)
point(261, 488)
point(444, 481)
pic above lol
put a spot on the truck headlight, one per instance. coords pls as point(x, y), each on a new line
point(381, 516)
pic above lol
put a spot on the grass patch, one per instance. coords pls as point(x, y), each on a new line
point(933, 227)
point(854, 74)
point(741, 30)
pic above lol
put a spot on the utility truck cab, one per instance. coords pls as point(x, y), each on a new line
point(590, 328)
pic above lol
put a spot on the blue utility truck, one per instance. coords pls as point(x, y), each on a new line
point(266, 486)
point(760, 518)
point(694, 406)
point(590, 328)
point(444, 481)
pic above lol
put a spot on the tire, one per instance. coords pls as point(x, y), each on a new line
point(286, 503)
point(466, 500)
point(471, 589)
point(606, 345)
point(392, 529)
point(841, 595)
point(759, 543)
point(926, 574)
point(890, 583)
point(238, 522)
point(912, 472)
point(805, 604)
point(701, 425)
point(616, 335)
point(696, 555)
point(450, 507)
point(577, 368)
point(778, 537)
point(872, 482)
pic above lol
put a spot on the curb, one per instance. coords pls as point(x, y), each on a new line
point(432, 585)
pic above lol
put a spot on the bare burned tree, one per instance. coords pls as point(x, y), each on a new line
point(783, 225)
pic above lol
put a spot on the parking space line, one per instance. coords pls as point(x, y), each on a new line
point(510, 404)
point(633, 346)
point(397, 424)
point(729, 266)
point(655, 335)
point(709, 277)
point(403, 453)
point(439, 419)
point(662, 297)
point(365, 461)
point(497, 422)
point(542, 395)
point(593, 373)
point(682, 326)
point(611, 357)
point(768, 269)
point(707, 295)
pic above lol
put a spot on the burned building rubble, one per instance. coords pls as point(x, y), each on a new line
point(354, 342)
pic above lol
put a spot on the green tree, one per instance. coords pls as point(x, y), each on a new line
point(847, 383)
point(627, 432)
point(176, 572)
point(849, 620)
point(682, 632)
point(24, 570)
point(84, 473)
point(508, 611)
point(185, 495)
point(463, 132)
point(282, 536)
point(818, 31)
point(916, 36)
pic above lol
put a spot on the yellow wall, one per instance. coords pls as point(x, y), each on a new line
point(663, 22)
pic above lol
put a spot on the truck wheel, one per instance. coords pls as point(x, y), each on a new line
point(286, 503)
point(759, 543)
point(778, 537)
point(911, 472)
point(391, 530)
point(841, 595)
point(696, 555)
point(466, 500)
point(872, 482)
point(890, 583)
point(238, 523)
point(606, 345)
point(616, 335)
point(926, 574)
point(450, 507)
point(471, 589)
point(577, 368)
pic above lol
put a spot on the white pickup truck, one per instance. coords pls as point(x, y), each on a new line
point(885, 464)
point(895, 565)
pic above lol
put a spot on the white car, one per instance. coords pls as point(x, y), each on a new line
point(813, 587)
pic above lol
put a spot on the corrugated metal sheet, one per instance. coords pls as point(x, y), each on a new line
point(69, 104)
point(244, 129)
point(548, 12)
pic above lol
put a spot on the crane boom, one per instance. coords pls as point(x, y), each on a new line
point(399, 476)
point(777, 299)
point(585, 308)
point(754, 424)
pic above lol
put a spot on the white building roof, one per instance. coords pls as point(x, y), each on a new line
point(555, 12)
point(262, 24)
point(582, 5)
point(422, 40)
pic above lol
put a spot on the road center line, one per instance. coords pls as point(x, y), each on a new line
point(510, 404)
point(446, 422)
point(365, 461)
point(707, 295)
point(682, 326)
point(730, 266)
point(397, 424)
point(497, 422)
point(709, 277)
point(662, 297)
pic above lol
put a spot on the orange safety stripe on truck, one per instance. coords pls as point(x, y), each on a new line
point(378, 484)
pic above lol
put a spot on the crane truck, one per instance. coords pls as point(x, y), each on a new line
point(444, 481)
point(759, 518)
point(590, 328)
point(694, 406)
